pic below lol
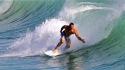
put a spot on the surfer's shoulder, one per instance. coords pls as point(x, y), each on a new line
point(74, 30)
point(65, 25)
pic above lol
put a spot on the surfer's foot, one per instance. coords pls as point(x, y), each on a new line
point(54, 51)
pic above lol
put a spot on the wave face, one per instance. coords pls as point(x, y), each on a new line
point(29, 28)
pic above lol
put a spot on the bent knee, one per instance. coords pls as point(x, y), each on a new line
point(68, 45)
point(62, 41)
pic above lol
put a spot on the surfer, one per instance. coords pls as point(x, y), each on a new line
point(65, 35)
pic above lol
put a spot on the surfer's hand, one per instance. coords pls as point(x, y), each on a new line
point(83, 40)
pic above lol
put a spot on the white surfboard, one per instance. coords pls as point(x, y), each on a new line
point(51, 53)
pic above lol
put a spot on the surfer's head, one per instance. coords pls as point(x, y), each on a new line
point(71, 25)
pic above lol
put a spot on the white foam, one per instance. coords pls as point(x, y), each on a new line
point(93, 29)
point(46, 36)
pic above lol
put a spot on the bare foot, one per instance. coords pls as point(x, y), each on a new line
point(54, 51)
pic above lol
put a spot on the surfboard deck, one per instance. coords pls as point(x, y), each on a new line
point(51, 53)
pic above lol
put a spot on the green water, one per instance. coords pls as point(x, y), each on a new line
point(30, 27)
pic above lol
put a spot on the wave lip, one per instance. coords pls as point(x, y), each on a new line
point(5, 5)
point(89, 28)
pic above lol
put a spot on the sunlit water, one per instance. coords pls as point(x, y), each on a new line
point(30, 27)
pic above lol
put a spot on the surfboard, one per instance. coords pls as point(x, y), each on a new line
point(51, 53)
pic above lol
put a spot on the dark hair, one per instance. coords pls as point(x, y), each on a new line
point(71, 24)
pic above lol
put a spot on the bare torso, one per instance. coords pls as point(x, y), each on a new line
point(68, 31)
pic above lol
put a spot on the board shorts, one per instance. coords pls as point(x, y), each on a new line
point(64, 37)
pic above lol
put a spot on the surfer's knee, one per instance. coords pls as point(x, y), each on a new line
point(68, 45)
point(62, 41)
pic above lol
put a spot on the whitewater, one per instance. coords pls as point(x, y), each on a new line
point(30, 27)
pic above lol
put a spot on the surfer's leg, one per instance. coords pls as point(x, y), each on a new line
point(68, 42)
point(59, 44)
point(68, 45)
point(61, 41)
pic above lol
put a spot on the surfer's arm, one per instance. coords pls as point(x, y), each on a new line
point(79, 38)
point(62, 29)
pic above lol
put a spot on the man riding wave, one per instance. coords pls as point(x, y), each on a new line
point(66, 35)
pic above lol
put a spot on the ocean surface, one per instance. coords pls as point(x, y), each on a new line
point(30, 27)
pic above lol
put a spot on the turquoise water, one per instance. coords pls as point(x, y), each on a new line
point(30, 27)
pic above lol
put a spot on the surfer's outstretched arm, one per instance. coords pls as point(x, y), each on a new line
point(79, 38)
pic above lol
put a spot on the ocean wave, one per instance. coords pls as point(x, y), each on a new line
point(34, 25)
point(5, 5)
